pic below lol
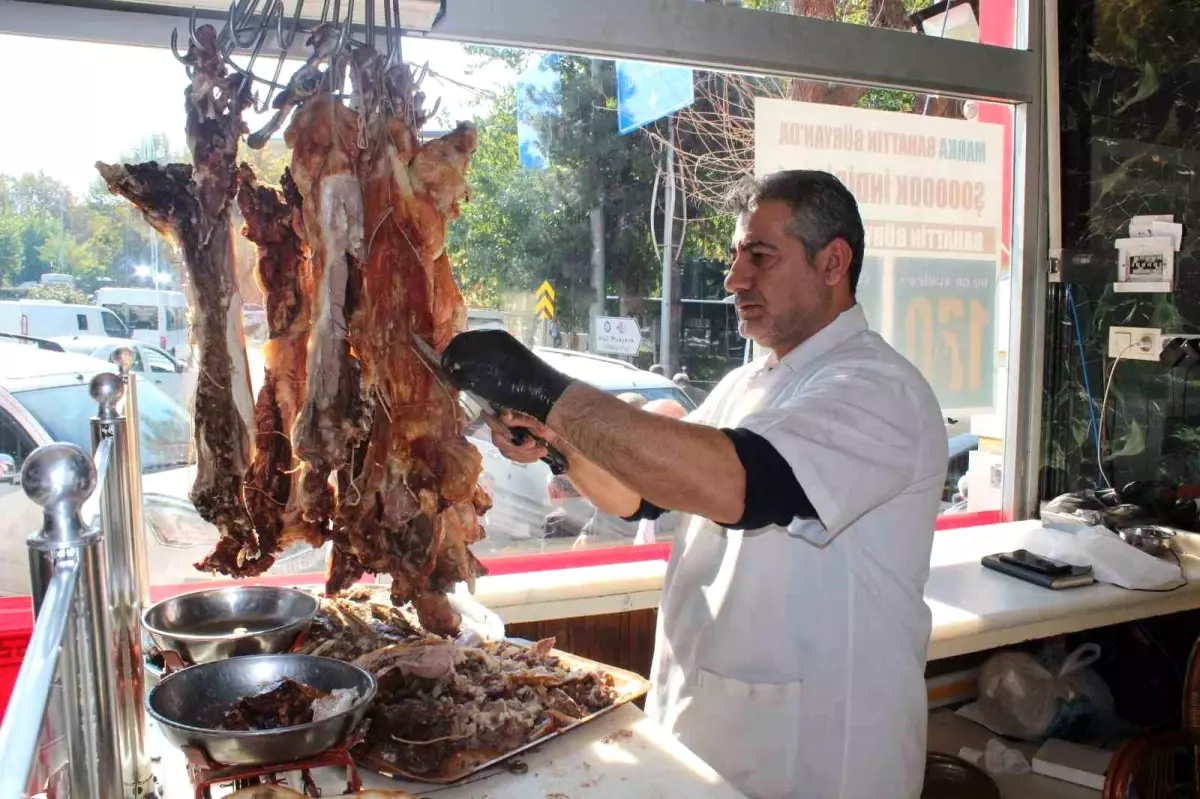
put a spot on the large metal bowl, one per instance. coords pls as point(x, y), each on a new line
point(219, 623)
point(183, 705)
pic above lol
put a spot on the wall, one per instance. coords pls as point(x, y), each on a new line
point(1130, 144)
point(624, 640)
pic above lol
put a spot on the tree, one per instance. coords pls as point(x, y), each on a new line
point(715, 137)
point(516, 221)
point(59, 292)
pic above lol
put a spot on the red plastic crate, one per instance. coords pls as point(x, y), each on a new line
point(16, 625)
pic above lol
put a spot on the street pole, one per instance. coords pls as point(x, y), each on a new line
point(596, 309)
point(666, 355)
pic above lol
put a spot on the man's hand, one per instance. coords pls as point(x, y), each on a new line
point(529, 451)
point(503, 371)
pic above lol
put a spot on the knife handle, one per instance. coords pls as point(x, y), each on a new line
point(554, 459)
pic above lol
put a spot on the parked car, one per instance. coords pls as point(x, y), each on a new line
point(529, 505)
point(44, 398)
point(151, 363)
point(46, 318)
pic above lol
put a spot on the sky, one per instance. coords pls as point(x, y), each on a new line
point(92, 102)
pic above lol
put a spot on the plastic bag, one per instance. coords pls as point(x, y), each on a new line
point(1021, 698)
point(1112, 560)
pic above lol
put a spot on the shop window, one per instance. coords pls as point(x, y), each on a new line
point(572, 160)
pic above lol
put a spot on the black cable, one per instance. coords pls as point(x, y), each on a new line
point(1178, 563)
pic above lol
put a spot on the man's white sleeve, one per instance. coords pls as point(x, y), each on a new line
point(852, 441)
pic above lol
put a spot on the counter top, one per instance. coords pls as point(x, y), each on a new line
point(621, 755)
point(976, 609)
point(973, 608)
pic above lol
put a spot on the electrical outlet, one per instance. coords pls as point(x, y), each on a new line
point(1135, 343)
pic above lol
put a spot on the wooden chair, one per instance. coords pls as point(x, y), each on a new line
point(1163, 765)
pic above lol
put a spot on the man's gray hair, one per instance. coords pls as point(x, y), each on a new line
point(823, 209)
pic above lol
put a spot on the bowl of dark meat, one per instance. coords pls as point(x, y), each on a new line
point(219, 623)
point(262, 708)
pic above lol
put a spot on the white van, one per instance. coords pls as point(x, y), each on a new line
point(48, 318)
point(154, 316)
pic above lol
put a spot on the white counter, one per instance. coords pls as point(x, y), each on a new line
point(618, 756)
point(974, 609)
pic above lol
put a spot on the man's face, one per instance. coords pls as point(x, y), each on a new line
point(782, 297)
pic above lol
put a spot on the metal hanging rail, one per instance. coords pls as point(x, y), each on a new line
point(89, 586)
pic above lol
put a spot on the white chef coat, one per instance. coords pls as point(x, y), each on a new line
point(792, 659)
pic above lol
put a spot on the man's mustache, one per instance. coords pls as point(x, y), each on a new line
point(745, 298)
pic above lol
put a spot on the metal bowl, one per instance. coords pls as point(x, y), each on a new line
point(183, 704)
point(220, 623)
point(1150, 539)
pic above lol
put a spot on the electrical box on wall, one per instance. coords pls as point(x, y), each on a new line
point(1146, 260)
point(1134, 343)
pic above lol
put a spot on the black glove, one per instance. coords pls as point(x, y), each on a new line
point(503, 371)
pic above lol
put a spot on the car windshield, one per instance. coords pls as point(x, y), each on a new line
point(652, 394)
point(66, 413)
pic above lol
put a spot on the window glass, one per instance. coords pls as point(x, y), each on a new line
point(113, 325)
point(164, 430)
point(176, 318)
point(156, 360)
point(136, 317)
point(81, 321)
point(574, 188)
point(136, 366)
point(15, 443)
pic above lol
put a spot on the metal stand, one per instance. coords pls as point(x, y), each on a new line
point(88, 590)
point(67, 563)
point(205, 773)
point(121, 521)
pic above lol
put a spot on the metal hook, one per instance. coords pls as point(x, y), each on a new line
point(369, 19)
point(239, 12)
point(175, 48)
point(387, 24)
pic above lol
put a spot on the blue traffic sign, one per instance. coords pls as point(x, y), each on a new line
point(646, 92)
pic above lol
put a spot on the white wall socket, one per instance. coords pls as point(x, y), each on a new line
point(1135, 343)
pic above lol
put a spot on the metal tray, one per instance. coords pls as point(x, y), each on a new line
point(629, 687)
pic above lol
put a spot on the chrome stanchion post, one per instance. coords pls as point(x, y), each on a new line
point(121, 521)
point(59, 477)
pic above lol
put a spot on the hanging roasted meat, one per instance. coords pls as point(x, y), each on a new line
point(357, 441)
point(191, 206)
point(408, 507)
point(272, 490)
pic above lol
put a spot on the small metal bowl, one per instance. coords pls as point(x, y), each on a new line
point(1148, 538)
point(220, 623)
point(183, 702)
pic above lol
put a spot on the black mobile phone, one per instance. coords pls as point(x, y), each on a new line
point(1038, 563)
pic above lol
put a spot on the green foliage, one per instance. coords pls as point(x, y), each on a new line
point(61, 293)
point(525, 226)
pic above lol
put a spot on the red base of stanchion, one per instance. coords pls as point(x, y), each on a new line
point(205, 774)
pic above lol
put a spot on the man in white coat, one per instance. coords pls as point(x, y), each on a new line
point(792, 629)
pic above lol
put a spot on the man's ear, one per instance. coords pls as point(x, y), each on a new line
point(834, 261)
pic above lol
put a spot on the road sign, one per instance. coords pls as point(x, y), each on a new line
point(618, 335)
point(545, 300)
point(646, 92)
